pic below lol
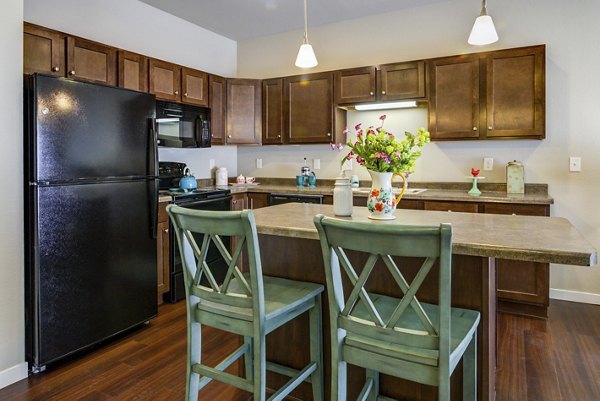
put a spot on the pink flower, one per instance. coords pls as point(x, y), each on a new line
point(332, 146)
point(360, 160)
point(382, 117)
point(340, 146)
point(360, 133)
point(345, 131)
point(350, 155)
point(357, 126)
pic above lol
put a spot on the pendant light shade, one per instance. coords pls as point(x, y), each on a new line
point(484, 31)
point(306, 55)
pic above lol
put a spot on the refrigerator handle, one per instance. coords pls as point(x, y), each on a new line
point(152, 148)
point(153, 161)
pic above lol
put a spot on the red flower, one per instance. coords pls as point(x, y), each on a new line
point(375, 193)
point(379, 207)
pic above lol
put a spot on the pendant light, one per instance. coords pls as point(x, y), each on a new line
point(484, 31)
point(306, 55)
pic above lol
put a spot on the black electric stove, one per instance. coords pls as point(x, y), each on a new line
point(204, 198)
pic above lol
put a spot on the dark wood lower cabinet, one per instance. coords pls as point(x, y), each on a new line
point(257, 200)
point(162, 252)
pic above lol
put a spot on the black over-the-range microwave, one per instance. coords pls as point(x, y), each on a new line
point(182, 126)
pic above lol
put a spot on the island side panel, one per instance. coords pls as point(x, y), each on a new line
point(473, 284)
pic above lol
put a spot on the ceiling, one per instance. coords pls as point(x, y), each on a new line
point(247, 19)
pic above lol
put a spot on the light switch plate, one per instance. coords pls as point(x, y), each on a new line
point(488, 163)
point(316, 164)
point(574, 164)
point(258, 163)
point(211, 164)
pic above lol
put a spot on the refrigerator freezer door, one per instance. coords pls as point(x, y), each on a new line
point(81, 130)
point(94, 266)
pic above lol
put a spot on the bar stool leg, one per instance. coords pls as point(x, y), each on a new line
point(316, 347)
point(193, 357)
point(470, 371)
point(374, 376)
point(260, 368)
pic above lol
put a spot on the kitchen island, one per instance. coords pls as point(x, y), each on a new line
point(290, 248)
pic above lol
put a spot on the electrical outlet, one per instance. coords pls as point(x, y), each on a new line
point(488, 163)
point(347, 165)
point(258, 163)
point(316, 164)
point(211, 164)
point(574, 164)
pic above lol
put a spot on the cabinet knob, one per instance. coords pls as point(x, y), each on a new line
point(371, 93)
point(383, 92)
point(329, 134)
point(228, 136)
point(450, 210)
point(278, 136)
point(474, 128)
point(234, 202)
point(166, 230)
point(490, 128)
point(177, 92)
point(72, 72)
point(185, 94)
point(55, 69)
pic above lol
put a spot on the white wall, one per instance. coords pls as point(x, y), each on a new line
point(138, 27)
point(569, 30)
point(12, 331)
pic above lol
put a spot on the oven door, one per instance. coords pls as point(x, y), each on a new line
point(213, 259)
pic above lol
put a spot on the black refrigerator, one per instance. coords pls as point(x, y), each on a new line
point(91, 193)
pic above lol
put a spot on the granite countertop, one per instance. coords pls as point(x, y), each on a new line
point(528, 238)
point(536, 194)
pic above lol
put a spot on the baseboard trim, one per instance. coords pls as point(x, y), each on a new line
point(575, 296)
point(13, 374)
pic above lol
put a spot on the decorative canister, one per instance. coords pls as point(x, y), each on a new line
point(221, 177)
point(342, 197)
point(515, 177)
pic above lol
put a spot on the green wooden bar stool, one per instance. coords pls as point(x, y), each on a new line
point(248, 304)
point(398, 337)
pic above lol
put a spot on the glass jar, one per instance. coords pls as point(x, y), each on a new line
point(342, 197)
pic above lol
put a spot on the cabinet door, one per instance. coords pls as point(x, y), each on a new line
point(518, 281)
point(355, 85)
point(272, 91)
point(239, 201)
point(194, 87)
point(516, 93)
point(308, 108)
point(91, 61)
point(454, 98)
point(258, 200)
point(402, 81)
point(218, 105)
point(165, 80)
point(243, 111)
point(162, 252)
point(133, 71)
point(43, 51)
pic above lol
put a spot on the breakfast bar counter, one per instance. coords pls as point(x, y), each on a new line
point(290, 248)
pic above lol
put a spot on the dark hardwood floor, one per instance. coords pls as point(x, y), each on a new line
point(553, 360)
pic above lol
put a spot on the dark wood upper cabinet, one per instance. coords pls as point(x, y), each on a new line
point(90, 61)
point(243, 111)
point(493, 95)
point(194, 87)
point(355, 85)
point(133, 71)
point(454, 97)
point(43, 51)
point(218, 107)
point(402, 81)
point(164, 80)
point(516, 93)
point(272, 111)
point(309, 111)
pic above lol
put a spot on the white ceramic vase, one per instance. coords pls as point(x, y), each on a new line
point(381, 201)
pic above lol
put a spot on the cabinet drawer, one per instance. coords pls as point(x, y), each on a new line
point(452, 206)
point(523, 210)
